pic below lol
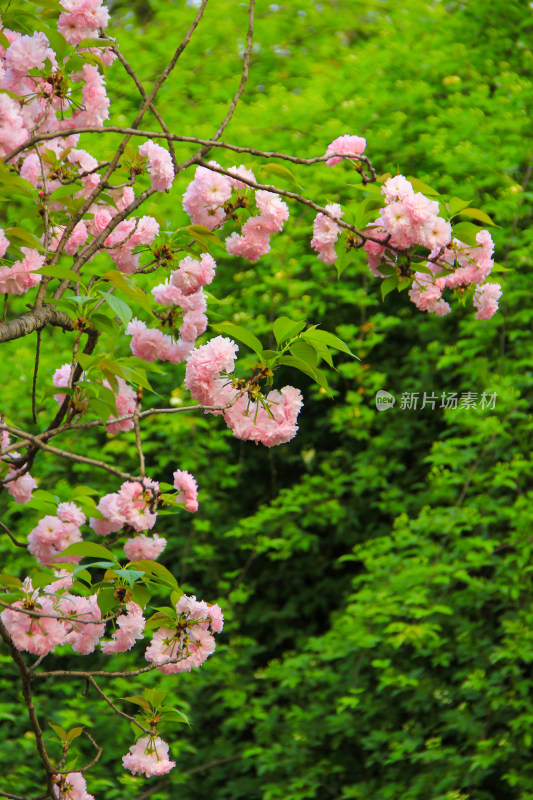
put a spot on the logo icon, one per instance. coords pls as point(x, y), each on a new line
point(384, 400)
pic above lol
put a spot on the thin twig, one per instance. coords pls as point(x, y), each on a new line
point(99, 751)
point(93, 462)
point(15, 541)
point(114, 707)
point(35, 370)
point(245, 66)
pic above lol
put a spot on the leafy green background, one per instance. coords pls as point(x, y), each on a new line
point(375, 573)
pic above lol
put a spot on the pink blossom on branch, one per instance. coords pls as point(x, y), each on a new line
point(187, 489)
point(71, 787)
point(159, 165)
point(21, 276)
point(350, 145)
point(130, 629)
point(149, 757)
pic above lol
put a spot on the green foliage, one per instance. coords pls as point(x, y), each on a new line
point(375, 573)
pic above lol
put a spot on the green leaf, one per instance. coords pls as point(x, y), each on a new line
point(106, 600)
point(24, 238)
point(74, 733)
point(328, 339)
point(121, 308)
point(456, 205)
point(500, 268)
point(93, 41)
point(285, 328)
point(155, 696)
point(313, 372)
point(281, 172)
point(466, 232)
point(60, 732)
point(305, 351)
point(241, 334)
point(88, 549)
point(140, 595)
point(168, 711)
point(9, 580)
point(60, 272)
point(138, 700)
point(203, 235)
point(476, 213)
point(418, 186)
point(388, 285)
point(157, 571)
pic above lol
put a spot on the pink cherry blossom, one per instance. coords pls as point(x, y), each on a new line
point(135, 502)
point(130, 629)
point(37, 635)
point(159, 165)
point(350, 145)
point(325, 234)
point(187, 489)
point(144, 547)
point(114, 519)
point(486, 300)
point(20, 276)
point(192, 273)
point(203, 373)
point(83, 637)
point(70, 512)
point(71, 787)
point(50, 537)
point(148, 756)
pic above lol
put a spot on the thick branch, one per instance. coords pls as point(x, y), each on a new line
point(35, 320)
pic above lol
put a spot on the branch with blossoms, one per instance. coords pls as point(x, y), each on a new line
point(78, 269)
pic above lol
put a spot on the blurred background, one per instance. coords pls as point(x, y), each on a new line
point(375, 573)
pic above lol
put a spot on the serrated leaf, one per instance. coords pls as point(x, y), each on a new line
point(241, 334)
point(59, 731)
point(106, 600)
point(281, 172)
point(138, 700)
point(9, 580)
point(313, 372)
point(466, 232)
point(88, 549)
point(140, 595)
point(328, 339)
point(157, 571)
point(74, 733)
point(419, 186)
point(305, 351)
point(203, 235)
point(285, 328)
point(60, 272)
point(168, 711)
point(456, 204)
point(476, 213)
point(120, 308)
point(388, 285)
point(19, 237)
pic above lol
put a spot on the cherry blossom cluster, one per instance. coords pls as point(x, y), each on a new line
point(149, 757)
point(71, 787)
point(183, 290)
point(190, 641)
point(20, 488)
point(45, 619)
point(207, 200)
point(269, 419)
point(458, 266)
